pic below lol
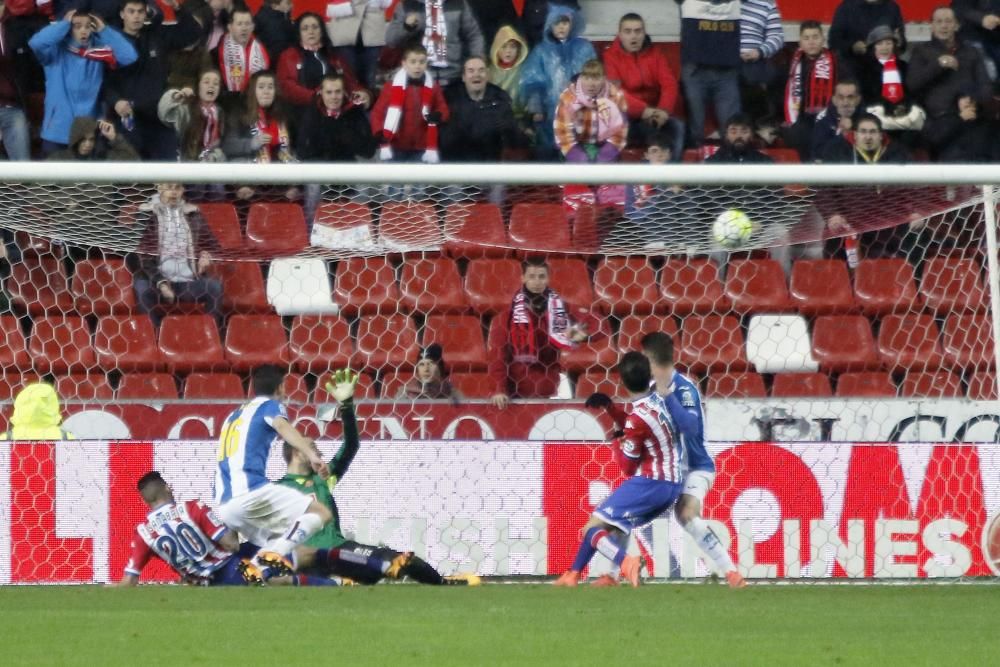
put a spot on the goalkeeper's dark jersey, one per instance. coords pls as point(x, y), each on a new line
point(330, 536)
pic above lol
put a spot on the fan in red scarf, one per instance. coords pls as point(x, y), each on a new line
point(811, 76)
point(240, 55)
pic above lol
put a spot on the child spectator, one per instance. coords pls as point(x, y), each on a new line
point(659, 147)
point(882, 73)
point(449, 30)
point(854, 20)
point(507, 56)
point(196, 118)
point(534, 18)
point(239, 55)
point(357, 30)
point(811, 79)
point(430, 377)
point(590, 123)
point(408, 112)
point(258, 132)
point(85, 145)
point(75, 53)
point(274, 28)
point(550, 67)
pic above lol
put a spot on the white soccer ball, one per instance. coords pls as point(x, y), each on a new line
point(732, 229)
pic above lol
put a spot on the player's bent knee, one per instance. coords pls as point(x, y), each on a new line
point(320, 510)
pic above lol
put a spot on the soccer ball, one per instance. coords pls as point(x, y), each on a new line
point(732, 229)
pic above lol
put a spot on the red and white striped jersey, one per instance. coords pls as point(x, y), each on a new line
point(184, 535)
point(647, 447)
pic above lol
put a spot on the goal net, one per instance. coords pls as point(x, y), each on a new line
point(841, 331)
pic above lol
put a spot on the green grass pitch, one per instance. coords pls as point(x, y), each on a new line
point(502, 625)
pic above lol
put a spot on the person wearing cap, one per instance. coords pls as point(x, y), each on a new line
point(430, 377)
point(854, 19)
point(882, 73)
point(36, 415)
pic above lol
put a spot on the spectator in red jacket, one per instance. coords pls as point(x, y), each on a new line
point(643, 74)
point(409, 110)
point(524, 349)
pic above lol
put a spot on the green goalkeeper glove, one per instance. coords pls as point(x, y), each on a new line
point(341, 385)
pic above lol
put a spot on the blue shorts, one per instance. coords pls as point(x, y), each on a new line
point(637, 501)
point(229, 574)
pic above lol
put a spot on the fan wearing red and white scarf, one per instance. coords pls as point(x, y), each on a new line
point(394, 114)
point(102, 54)
point(211, 135)
point(238, 62)
point(522, 325)
point(280, 145)
point(892, 82)
point(821, 82)
point(436, 33)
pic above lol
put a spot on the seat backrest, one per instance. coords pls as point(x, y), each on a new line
point(820, 286)
point(222, 219)
point(410, 226)
point(343, 224)
point(865, 384)
point(490, 284)
point(884, 286)
point(276, 229)
point(539, 227)
point(213, 386)
point(626, 285)
point(570, 278)
point(735, 385)
point(432, 284)
point(477, 227)
point(102, 286)
point(779, 343)
point(791, 385)
point(147, 386)
point(461, 339)
point(756, 285)
point(366, 285)
point(297, 285)
point(692, 286)
point(950, 284)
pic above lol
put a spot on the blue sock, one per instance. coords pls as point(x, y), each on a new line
point(328, 557)
point(588, 547)
point(307, 580)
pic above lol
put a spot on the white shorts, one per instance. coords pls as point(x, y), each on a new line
point(697, 483)
point(264, 513)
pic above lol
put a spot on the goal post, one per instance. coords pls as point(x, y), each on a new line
point(852, 406)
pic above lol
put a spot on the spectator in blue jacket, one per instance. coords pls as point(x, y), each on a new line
point(75, 53)
point(547, 72)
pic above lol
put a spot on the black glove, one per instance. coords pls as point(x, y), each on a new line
point(433, 118)
point(598, 401)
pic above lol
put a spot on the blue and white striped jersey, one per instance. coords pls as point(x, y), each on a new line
point(244, 445)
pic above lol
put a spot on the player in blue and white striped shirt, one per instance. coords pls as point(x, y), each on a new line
point(274, 517)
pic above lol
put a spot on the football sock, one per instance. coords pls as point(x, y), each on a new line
point(422, 572)
point(329, 557)
point(307, 580)
point(612, 547)
point(710, 544)
point(304, 527)
point(588, 547)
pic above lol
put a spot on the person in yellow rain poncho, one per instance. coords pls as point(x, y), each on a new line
point(36, 415)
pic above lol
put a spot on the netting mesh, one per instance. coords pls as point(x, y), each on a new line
point(851, 314)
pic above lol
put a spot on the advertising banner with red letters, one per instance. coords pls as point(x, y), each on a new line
point(508, 507)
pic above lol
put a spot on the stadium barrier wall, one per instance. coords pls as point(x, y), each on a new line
point(787, 510)
point(846, 420)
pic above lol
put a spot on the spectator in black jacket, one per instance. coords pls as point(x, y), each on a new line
point(980, 21)
point(866, 144)
point(838, 118)
point(962, 135)
point(274, 27)
point(737, 144)
point(13, 122)
point(134, 91)
point(852, 22)
point(482, 120)
point(491, 14)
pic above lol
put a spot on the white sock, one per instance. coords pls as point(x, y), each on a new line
point(709, 544)
point(608, 547)
point(302, 529)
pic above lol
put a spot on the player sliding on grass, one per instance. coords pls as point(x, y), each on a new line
point(648, 451)
point(274, 517)
point(191, 539)
point(334, 553)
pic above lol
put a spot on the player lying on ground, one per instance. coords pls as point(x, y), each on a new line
point(680, 406)
point(191, 539)
point(333, 553)
point(270, 515)
point(647, 450)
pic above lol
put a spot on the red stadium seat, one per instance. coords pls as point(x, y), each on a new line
point(432, 285)
point(757, 286)
point(931, 384)
point(692, 286)
point(539, 228)
point(213, 386)
point(60, 344)
point(735, 385)
point(320, 343)
point(884, 286)
point(32, 245)
point(490, 284)
point(844, 343)
point(967, 341)
point(410, 226)
point(792, 385)
point(191, 343)
point(473, 385)
point(570, 278)
point(13, 353)
point(242, 287)
point(597, 353)
point(909, 341)
point(84, 387)
point(101, 287)
point(38, 285)
point(11, 384)
point(366, 285)
point(346, 215)
point(953, 284)
point(475, 230)
point(276, 229)
point(626, 286)
point(255, 340)
point(386, 341)
point(364, 391)
point(983, 386)
point(225, 225)
point(126, 342)
point(711, 343)
point(821, 287)
point(461, 339)
point(599, 382)
point(147, 386)
point(863, 385)
point(634, 327)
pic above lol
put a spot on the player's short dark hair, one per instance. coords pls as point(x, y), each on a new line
point(810, 24)
point(659, 347)
point(151, 477)
point(631, 16)
point(536, 262)
point(871, 118)
point(267, 379)
point(635, 372)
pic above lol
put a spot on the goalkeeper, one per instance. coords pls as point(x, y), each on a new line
point(335, 554)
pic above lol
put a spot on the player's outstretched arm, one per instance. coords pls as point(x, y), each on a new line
point(291, 435)
point(341, 386)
